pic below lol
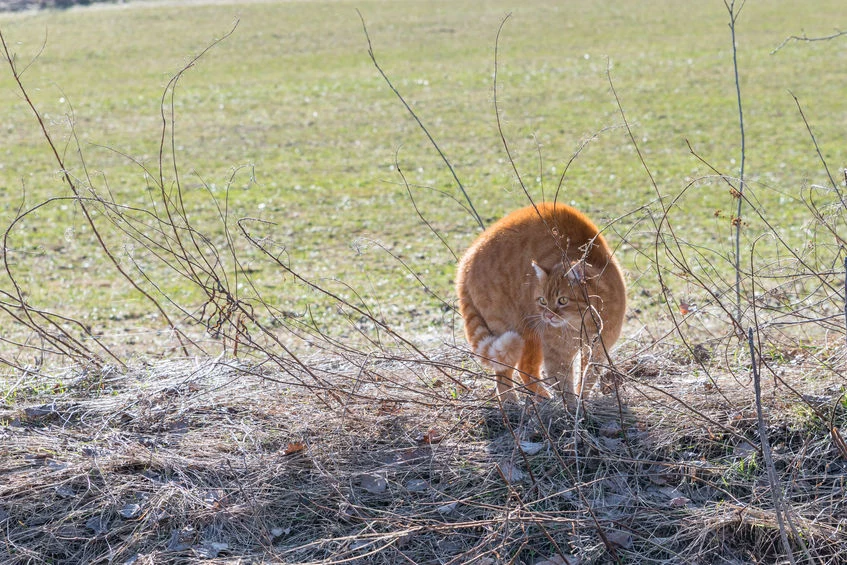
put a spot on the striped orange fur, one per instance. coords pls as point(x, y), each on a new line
point(539, 288)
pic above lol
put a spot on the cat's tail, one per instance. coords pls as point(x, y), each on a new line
point(496, 351)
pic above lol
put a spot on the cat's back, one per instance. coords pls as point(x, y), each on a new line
point(534, 230)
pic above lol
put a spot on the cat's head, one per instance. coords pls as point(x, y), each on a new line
point(557, 291)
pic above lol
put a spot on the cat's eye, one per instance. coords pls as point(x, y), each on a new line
point(542, 301)
point(562, 301)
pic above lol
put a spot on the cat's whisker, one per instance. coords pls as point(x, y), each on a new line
point(535, 322)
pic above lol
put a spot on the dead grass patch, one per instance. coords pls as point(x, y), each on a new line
point(219, 461)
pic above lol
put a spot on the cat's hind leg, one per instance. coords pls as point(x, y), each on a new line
point(502, 353)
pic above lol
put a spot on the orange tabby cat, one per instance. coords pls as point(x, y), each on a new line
point(541, 285)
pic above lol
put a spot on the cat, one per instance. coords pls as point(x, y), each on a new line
point(541, 286)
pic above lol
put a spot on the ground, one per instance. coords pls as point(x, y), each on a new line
point(378, 459)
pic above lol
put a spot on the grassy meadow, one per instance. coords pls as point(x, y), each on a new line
point(293, 105)
point(353, 426)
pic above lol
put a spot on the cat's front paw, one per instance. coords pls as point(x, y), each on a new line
point(506, 391)
point(539, 390)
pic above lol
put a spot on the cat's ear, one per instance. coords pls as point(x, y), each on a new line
point(540, 273)
point(576, 274)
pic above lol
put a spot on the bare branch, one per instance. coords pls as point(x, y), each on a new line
point(804, 37)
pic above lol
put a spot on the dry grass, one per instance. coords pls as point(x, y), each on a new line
point(220, 461)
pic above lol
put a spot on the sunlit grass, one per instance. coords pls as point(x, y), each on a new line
point(293, 98)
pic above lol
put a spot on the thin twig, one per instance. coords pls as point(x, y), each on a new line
point(417, 210)
point(832, 182)
point(420, 124)
point(804, 37)
point(497, 112)
point(733, 17)
point(776, 489)
point(72, 185)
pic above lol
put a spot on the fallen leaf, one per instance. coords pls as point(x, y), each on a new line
point(180, 539)
point(511, 472)
point(612, 500)
point(56, 465)
point(403, 540)
point(430, 437)
point(667, 492)
point(610, 429)
point(415, 455)
point(531, 448)
point(701, 353)
point(348, 512)
point(293, 447)
point(360, 544)
point(373, 483)
point(558, 559)
point(209, 550)
point(617, 483)
point(214, 498)
point(657, 476)
point(98, 525)
point(679, 502)
point(40, 412)
point(130, 511)
point(64, 491)
point(417, 485)
point(612, 444)
point(279, 532)
point(619, 538)
point(448, 508)
point(743, 449)
point(389, 407)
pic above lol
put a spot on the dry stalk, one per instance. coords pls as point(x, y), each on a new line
point(737, 221)
point(412, 113)
point(72, 185)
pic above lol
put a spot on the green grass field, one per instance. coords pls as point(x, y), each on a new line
point(293, 97)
